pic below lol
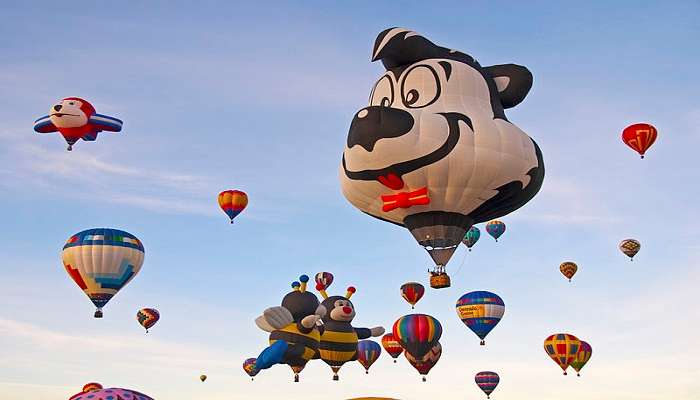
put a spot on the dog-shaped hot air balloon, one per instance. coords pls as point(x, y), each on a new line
point(76, 119)
point(434, 151)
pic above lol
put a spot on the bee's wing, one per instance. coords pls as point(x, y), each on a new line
point(277, 317)
point(262, 324)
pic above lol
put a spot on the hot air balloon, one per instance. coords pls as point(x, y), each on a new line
point(433, 151)
point(147, 317)
point(639, 137)
point(487, 382)
point(417, 333)
point(424, 364)
point(480, 311)
point(495, 228)
point(101, 261)
point(472, 236)
point(232, 202)
point(75, 119)
point(584, 354)
point(324, 279)
point(368, 352)
point(412, 292)
point(391, 345)
point(249, 368)
point(202, 378)
point(568, 269)
point(630, 247)
point(95, 391)
point(562, 348)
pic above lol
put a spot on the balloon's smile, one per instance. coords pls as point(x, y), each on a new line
point(391, 176)
point(62, 114)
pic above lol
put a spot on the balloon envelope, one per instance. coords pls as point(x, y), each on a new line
point(417, 333)
point(324, 279)
point(368, 352)
point(472, 236)
point(584, 354)
point(232, 202)
point(568, 269)
point(630, 247)
point(391, 345)
point(412, 292)
point(101, 261)
point(562, 348)
point(480, 311)
point(639, 137)
point(249, 367)
point(147, 317)
point(424, 364)
point(487, 381)
point(202, 378)
point(495, 228)
point(95, 391)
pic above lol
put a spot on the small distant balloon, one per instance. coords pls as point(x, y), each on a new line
point(471, 237)
point(391, 345)
point(249, 367)
point(323, 279)
point(232, 202)
point(568, 269)
point(584, 354)
point(495, 228)
point(639, 137)
point(147, 317)
point(562, 348)
point(368, 352)
point(202, 378)
point(424, 364)
point(630, 247)
point(412, 292)
point(487, 382)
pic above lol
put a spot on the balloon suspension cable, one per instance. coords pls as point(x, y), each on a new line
point(462, 263)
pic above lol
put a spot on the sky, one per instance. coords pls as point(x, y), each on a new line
point(259, 96)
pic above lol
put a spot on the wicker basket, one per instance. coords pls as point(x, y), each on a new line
point(439, 281)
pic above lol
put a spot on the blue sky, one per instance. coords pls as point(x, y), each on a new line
point(259, 98)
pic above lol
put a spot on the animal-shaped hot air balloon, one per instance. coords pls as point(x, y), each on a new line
point(562, 348)
point(424, 364)
point(101, 261)
point(480, 311)
point(568, 269)
point(147, 317)
point(294, 335)
point(391, 345)
point(471, 237)
point(417, 333)
point(584, 354)
point(75, 119)
point(95, 391)
point(202, 378)
point(487, 382)
point(630, 247)
point(412, 292)
point(368, 352)
point(249, 368)
point(639, 137)
point(495, 228)
point(338, 337)
point(233, 202)
point(433, 151)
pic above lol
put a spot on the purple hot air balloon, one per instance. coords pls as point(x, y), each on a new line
point(487, 381)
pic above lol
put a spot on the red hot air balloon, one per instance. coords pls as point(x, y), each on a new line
point(392, 346)
point(639, 137)
point(412, 292)
point(424, 364)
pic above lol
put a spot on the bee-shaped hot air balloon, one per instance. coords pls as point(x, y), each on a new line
point(294, 336)
point(338, 337)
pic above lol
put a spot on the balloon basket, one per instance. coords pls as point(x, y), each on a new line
point(296, 377)
point(424, 380)
point(98, 314)
point(394, 361)
point(335, 377)
point(439, 281)
point(482, 343)
point(577, 374)
point(366, 372)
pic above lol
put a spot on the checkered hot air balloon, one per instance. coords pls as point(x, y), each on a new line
point(584, 354)
point(562, 348)
point(639, 137)
point(147, 317)
point(487, 382)
point(480, 311)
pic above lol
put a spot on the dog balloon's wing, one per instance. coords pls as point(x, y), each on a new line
point(278, 317)
point(44, 125)
point(106, 123)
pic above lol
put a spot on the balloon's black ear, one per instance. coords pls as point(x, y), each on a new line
point(512, 81)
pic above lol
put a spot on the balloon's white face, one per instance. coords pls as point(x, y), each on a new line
point(67, 114)
point(433, 127)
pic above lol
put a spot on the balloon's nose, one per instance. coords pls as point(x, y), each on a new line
point(373, 123)
point(347, 310)
point(57, 107)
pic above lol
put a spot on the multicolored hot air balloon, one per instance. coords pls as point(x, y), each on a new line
point(495, 228)
point(232, 202)
point(95, 391)
point(75, 119)
point(639, 137)
point(417, 333)
point(471, 237)
point(433, 151)
point(368, 352)
point(249, 368)
point(202, 378)
point(147, 317)
point(562, 348)
point(568, 269)
point(630, 248)
point(324, 279)
point(480, 311)
point(391, 345)
point(101, 261)
point(487, 382)
point(412, 292)
point(584, 354)
point(424, 364)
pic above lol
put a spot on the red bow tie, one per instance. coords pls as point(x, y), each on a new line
point(405, 199)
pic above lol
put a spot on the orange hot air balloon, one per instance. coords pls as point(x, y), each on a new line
point(232, 202)
point(392, 346)
point(639, 137)
point(562, 348)
point(568, 269)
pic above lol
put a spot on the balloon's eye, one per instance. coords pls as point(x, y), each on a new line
point(383, 92)
point(71, 103)
point(420, 87)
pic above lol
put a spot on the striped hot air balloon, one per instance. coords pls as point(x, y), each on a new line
point(562, 348)
point(147, 317)
point(495, 228)
point(568, 269)
point(487, 382)
point(368, 352)
point(417, 333)
point(639, 137)
point(480, 311)
point(584, 354)
point(232, 202)
point(412, 292)
point(101, 261)
point(424, 364)
point(391, 345)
